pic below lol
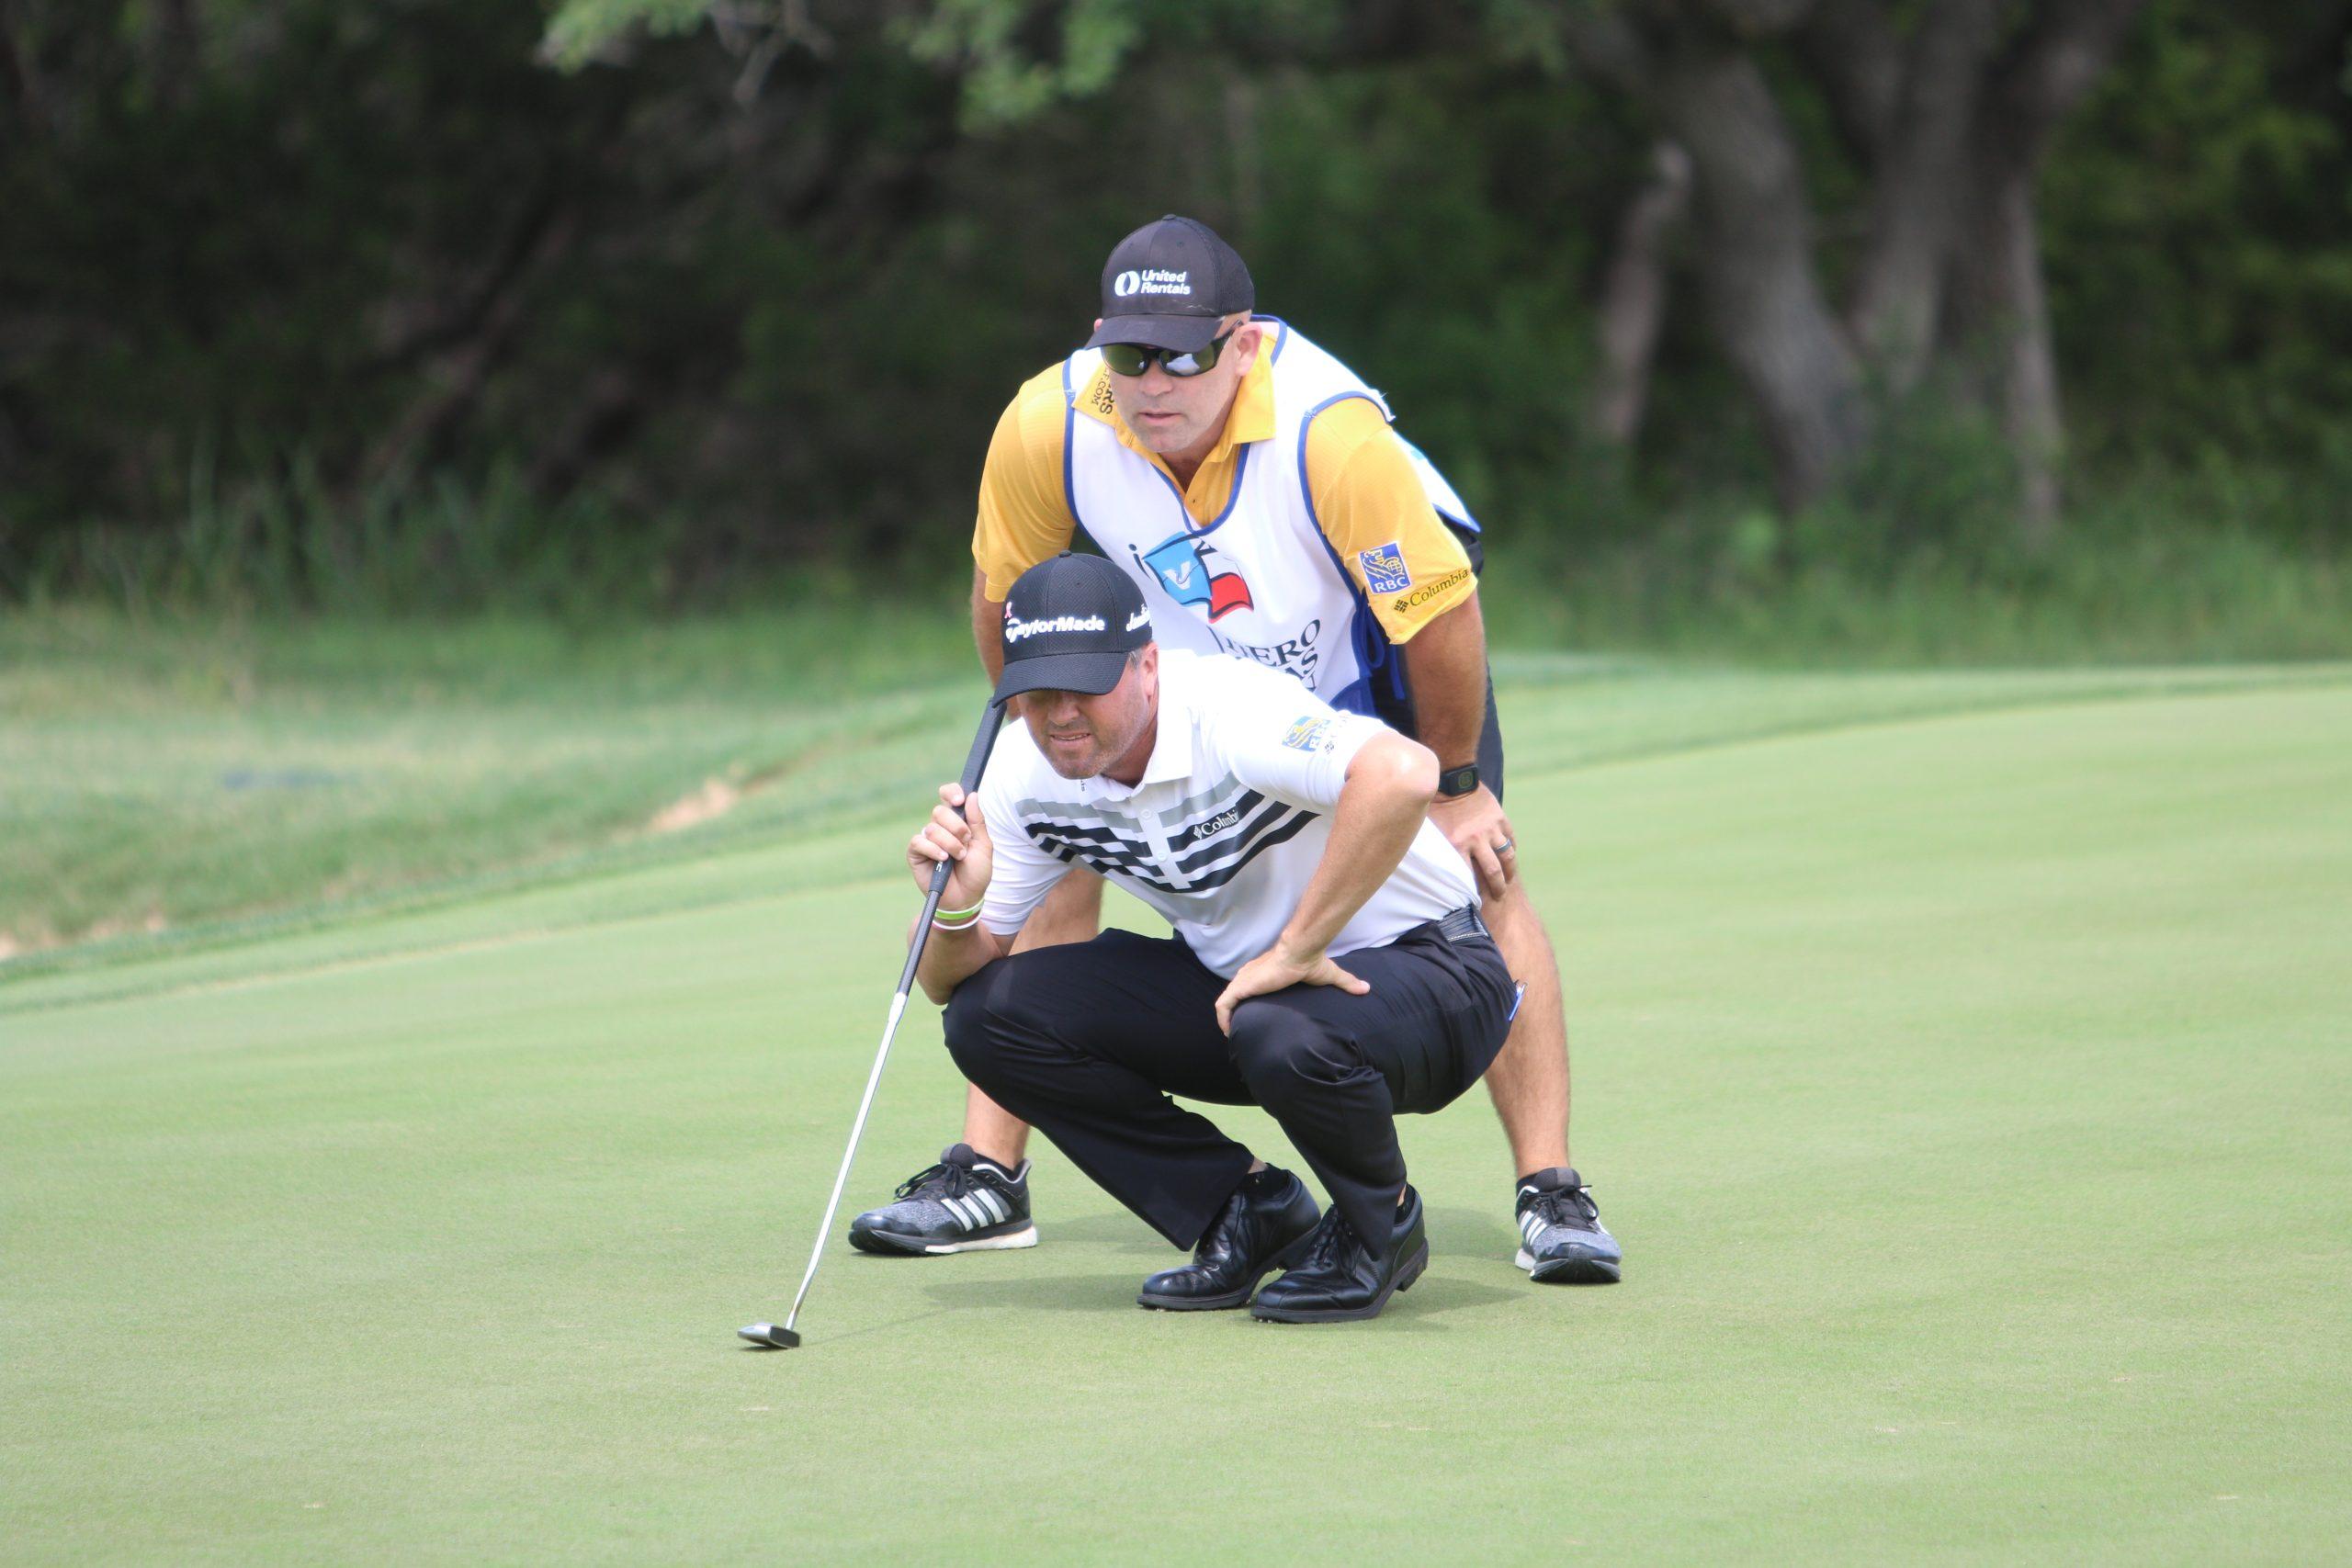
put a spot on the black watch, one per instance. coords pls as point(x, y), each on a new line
point(1456, 783)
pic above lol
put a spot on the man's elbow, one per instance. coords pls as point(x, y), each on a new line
point(1404, 770)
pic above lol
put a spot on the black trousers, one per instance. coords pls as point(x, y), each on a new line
point(1086, 1041)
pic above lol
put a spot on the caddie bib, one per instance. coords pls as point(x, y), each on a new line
point(1260, 581)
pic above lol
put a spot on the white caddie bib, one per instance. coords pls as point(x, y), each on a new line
point(1260, 581)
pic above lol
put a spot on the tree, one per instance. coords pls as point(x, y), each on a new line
point(1944, 110)
point(1947, 110)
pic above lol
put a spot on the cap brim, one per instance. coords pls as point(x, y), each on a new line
point(1092, 674)
point(1185, 334)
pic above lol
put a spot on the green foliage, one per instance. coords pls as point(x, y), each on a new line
point(2223, 563)
point(343, 306)
point(580, 31)
point(2201, 237)
point(1004, 84)
point(404, 544)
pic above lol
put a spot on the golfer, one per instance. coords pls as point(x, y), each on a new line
point(1250, 486)
point(1329, 962)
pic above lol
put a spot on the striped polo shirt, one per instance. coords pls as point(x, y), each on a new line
point(1225, 829)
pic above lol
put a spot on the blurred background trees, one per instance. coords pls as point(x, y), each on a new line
point(655, 299)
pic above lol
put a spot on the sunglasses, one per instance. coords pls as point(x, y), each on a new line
point(1134, 358)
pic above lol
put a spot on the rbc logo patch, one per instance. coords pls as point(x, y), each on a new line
point(1384, 568)
point(1308, 733)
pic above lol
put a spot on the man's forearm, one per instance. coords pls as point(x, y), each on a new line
point(1381, 806)
point(1446, 662)
point(988, 628)
point(951, 957)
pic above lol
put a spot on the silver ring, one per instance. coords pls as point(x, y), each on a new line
point(1505, 848)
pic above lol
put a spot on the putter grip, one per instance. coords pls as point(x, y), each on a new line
point(974, 766)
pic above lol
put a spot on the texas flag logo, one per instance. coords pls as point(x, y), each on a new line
point(1188, 569)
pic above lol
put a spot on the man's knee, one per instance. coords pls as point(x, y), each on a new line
point(979, 1019)
point(1278, 1050)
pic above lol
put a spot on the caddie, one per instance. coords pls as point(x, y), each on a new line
point(1329, 962)
point(1251, 487)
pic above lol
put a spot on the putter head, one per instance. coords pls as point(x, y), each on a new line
point(769, 1337)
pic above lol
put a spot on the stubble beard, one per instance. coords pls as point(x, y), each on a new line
point(1100, 755)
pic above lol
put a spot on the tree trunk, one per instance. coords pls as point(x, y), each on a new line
point(1899, 288)
point(1757, 263)
point(1997, 329)
point(1633, 298)
point(1998, 319)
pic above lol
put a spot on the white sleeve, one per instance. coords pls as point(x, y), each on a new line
point(1023, 874)
point(1281, 738)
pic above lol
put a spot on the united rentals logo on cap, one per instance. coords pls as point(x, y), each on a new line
point(1169, 283)
point(1069, 623)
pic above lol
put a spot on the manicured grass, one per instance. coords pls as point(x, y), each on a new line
point(1971, 1092)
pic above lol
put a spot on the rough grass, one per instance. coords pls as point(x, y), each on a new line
point(172, 783)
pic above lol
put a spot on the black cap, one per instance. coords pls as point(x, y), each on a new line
point(1169, 283)
point(1069, 623)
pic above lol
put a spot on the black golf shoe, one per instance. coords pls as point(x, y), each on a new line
point(1561, 1236)
point(964, 1203)
point(1341, 1277)
point(1263, 1226)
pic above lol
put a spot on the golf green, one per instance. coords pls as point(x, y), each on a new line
point(1973, 1096)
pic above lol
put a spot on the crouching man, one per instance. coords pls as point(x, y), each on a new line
point(1329, 963)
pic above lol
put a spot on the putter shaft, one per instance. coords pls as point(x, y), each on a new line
point(784, 1339)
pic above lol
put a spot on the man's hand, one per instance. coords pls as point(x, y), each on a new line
point(1475, 825)
point(1275, 970)
point(948, 837)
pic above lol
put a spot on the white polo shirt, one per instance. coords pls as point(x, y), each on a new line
point(1226, 827)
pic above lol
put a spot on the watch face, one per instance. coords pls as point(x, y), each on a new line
point(1458, 781)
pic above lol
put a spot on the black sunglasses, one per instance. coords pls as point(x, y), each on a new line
point(1134, 358)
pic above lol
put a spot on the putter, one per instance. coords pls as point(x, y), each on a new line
point(782, 1337)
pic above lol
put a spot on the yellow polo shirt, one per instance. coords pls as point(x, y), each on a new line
point(1363, 485)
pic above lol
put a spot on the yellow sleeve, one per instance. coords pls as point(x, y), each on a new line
point(1024, 516)
point(1371, 506)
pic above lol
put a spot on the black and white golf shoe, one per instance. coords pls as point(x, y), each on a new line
point(964, 1203)
point(1561, 1237)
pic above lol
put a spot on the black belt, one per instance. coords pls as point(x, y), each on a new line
point(1462, 924)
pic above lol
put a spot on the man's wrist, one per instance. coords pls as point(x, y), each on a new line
point(1294, 951)
point(959, 919)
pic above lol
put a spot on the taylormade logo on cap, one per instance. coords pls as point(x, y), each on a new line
point(1015, 628)
point(1067, 633)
